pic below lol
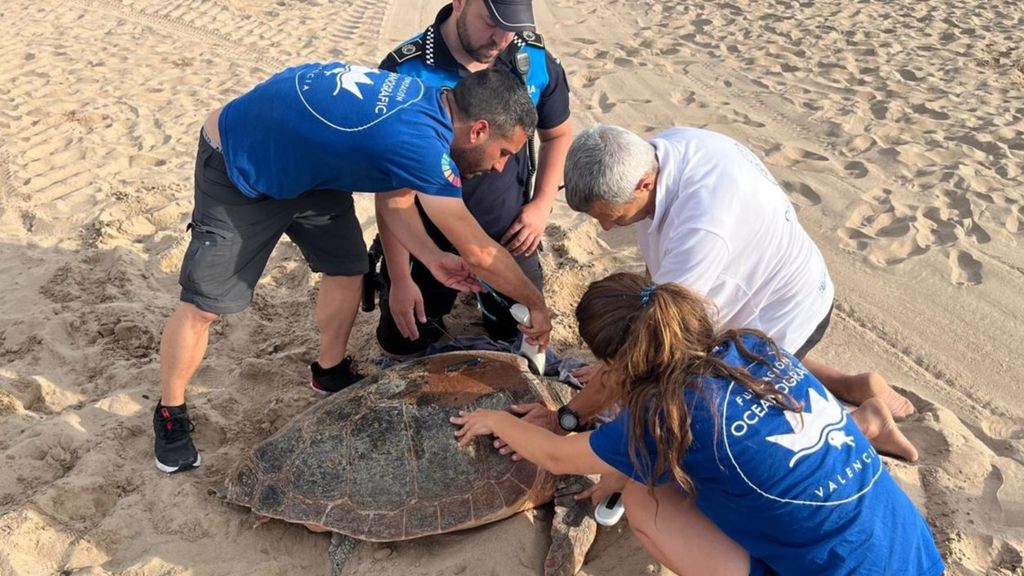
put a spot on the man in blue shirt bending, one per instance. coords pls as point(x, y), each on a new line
point(285, 157)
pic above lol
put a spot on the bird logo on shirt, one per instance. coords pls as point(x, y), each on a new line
point(350, 77)
point(821, 424)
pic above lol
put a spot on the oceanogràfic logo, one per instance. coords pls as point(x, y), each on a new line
point(352, 98)
point(813, 457)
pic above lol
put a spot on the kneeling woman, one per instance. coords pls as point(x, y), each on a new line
point(732, 458)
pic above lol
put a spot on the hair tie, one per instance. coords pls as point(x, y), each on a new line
point(645, 294)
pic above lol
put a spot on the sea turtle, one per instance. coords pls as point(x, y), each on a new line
point(379, 462)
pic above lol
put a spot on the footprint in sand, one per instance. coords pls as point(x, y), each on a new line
point(881, 197)
point(602, 101)
point(133, 340)
point(1003, 428)
point(859, 145)
point(965, 268)
point(969, 229)
point(746, 120)
point(1015, 221)
point(856, 169)
point(924, 110)
point(785, 155)
point(853, 239)
point(908, 74)
point(896, 252)
point(889, 225)
point(880, 109)
point(1008, 558)
point(84, 502)
point(145, 161)
point(932, 229)
point(681, 99)
point(801, 193)
point(984, 144)
point(1008, 170)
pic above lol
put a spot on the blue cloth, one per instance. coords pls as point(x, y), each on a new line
point(342, 127)
point(802, 493)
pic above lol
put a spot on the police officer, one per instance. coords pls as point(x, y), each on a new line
point(513, 205)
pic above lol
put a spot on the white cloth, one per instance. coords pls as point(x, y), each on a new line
point(722, 226)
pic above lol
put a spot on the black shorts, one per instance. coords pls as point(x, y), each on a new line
point(438, 301)
point(233, 236)
point(815, 336)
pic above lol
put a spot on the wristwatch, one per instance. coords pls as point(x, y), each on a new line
point(569, 420)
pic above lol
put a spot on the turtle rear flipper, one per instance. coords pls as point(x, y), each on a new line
point(573, 528)
point(341, 550)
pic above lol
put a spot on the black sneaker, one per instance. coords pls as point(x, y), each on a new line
point(172, 440)
point(336, 379)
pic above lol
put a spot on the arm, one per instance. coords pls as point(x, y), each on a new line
point(595, 395)
point(557, 454)
point(525, 234)
point(695, 260)
point(487, 259)
point(397, 211)
point(587, 403)
point(404, 297)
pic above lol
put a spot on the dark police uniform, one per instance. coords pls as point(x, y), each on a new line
point(494, 199)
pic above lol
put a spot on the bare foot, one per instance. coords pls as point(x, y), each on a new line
point(898, 404)
point(858, 388)
point(875, 420)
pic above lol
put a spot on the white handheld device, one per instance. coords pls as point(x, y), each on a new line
point(532, 353)
point(610, 510)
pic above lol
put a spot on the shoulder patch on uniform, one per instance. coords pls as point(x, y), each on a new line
point(408, 50)
point(532, 38)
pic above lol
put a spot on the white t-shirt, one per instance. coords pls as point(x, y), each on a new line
point(722, 226)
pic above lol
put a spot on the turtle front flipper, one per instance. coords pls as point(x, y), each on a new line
point(573, 528)
point(341, 550)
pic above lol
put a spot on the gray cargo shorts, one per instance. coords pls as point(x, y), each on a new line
point(233, 236)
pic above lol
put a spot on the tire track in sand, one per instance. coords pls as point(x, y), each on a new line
point(178, 26)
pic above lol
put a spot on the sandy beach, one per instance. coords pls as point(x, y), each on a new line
point(896, 128)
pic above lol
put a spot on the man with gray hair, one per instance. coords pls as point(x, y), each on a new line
point(709, 215)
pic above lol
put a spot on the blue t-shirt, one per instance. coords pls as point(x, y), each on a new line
point(804, 493)
point(342, 127)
